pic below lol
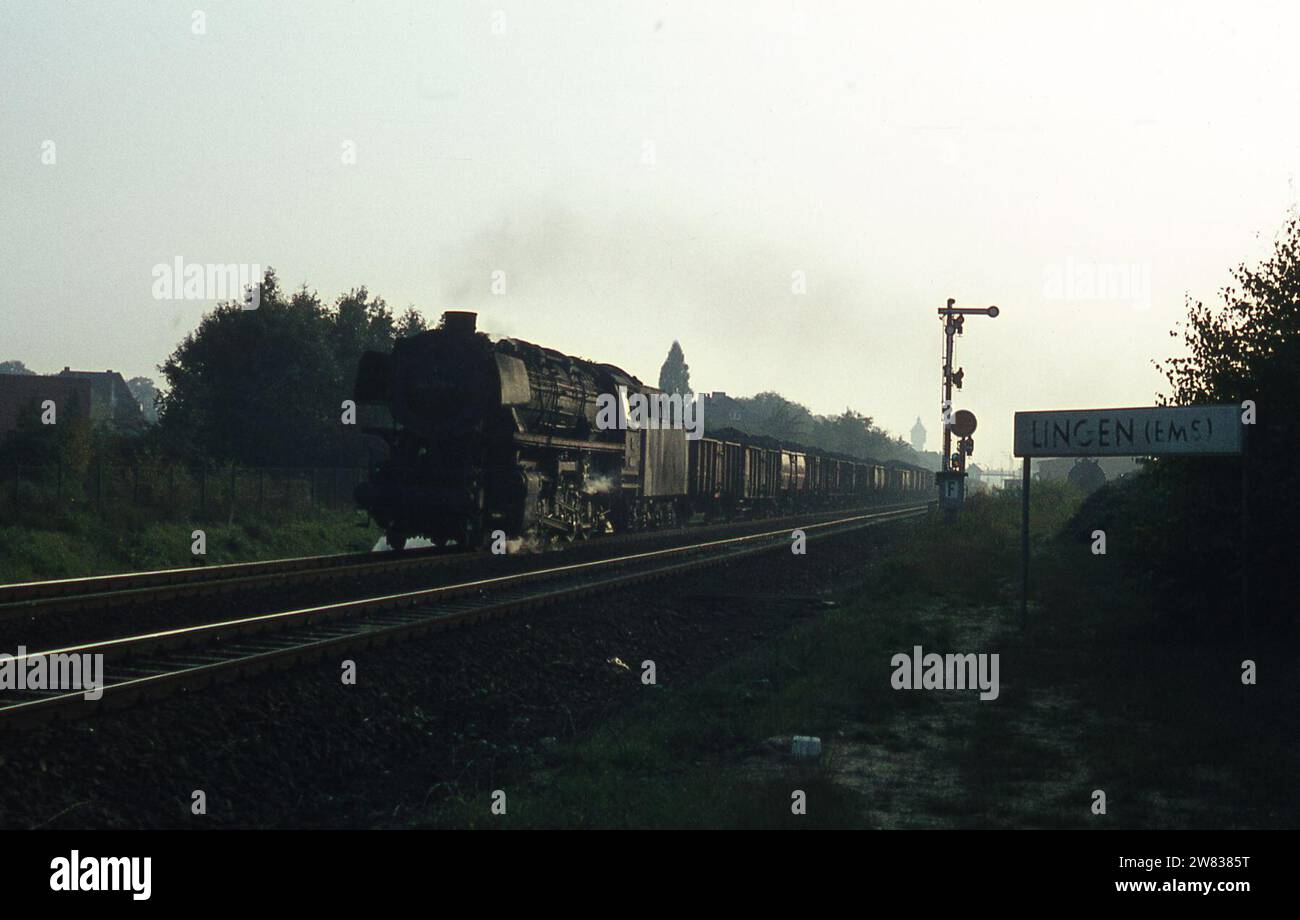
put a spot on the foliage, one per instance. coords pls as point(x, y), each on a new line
point(675, 375)
point(1245, 348)
point(261, 387)
point(412, 322)
point(1248, 347)
point(771, 414)
point(1088, 475)
point(70, 442)
point(78, 541)
point(146, 394)
point(266, 386)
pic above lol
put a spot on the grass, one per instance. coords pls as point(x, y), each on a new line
point(1091, 699)
point(79, 542)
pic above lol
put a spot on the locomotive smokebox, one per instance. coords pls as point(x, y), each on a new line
point(459, 322)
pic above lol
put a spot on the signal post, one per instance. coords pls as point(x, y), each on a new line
point(952, 479)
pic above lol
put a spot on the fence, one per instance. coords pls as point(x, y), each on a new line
point(178, 489)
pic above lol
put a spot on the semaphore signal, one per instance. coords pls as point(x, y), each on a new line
point(952, 479)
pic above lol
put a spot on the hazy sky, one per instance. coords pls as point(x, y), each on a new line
point(648, 171)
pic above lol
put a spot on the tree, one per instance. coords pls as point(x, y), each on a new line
point(266, 386)
point(15, 367)
point(850, 433)
point(1087, 475)
point(39, 446)
point(410, 323)
point(360, 324)
point(1245, 348)
point(777, 417)
point(146, 394)
point(675, 375)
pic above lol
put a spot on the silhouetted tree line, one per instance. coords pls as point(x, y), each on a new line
point(1185, 512)
point(771, 414)
point(266, 387)
point(258, 388)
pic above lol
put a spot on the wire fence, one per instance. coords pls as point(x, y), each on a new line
point(176, 489)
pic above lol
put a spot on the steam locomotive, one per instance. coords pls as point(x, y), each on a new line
point(504, 436)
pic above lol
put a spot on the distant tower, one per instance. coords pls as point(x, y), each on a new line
point(918, 436)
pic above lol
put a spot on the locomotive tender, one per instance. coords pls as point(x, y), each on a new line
point(503, 435)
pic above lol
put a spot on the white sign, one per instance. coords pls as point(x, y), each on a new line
point(1150, 432)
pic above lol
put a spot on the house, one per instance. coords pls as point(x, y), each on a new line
point(99, 397)
point(111, 401)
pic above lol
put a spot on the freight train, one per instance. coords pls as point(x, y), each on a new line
point(489, 436)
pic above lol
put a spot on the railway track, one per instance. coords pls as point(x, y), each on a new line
point(187, 658)
point(128, 588)
point(100, 592)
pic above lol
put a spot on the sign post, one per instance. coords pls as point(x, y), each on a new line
point(1157, 431)
point(1024, 547)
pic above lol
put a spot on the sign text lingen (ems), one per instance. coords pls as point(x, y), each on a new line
point(1145, 432)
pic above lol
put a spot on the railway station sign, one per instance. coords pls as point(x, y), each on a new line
point(1145, 432)
point(1154, 431)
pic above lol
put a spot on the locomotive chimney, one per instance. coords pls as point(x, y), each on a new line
point(459, 322)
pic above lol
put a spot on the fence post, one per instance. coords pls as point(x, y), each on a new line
point(99, 485)
point(18, 472)
point(232, 490)
point(312, 498)
point(135, 484)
